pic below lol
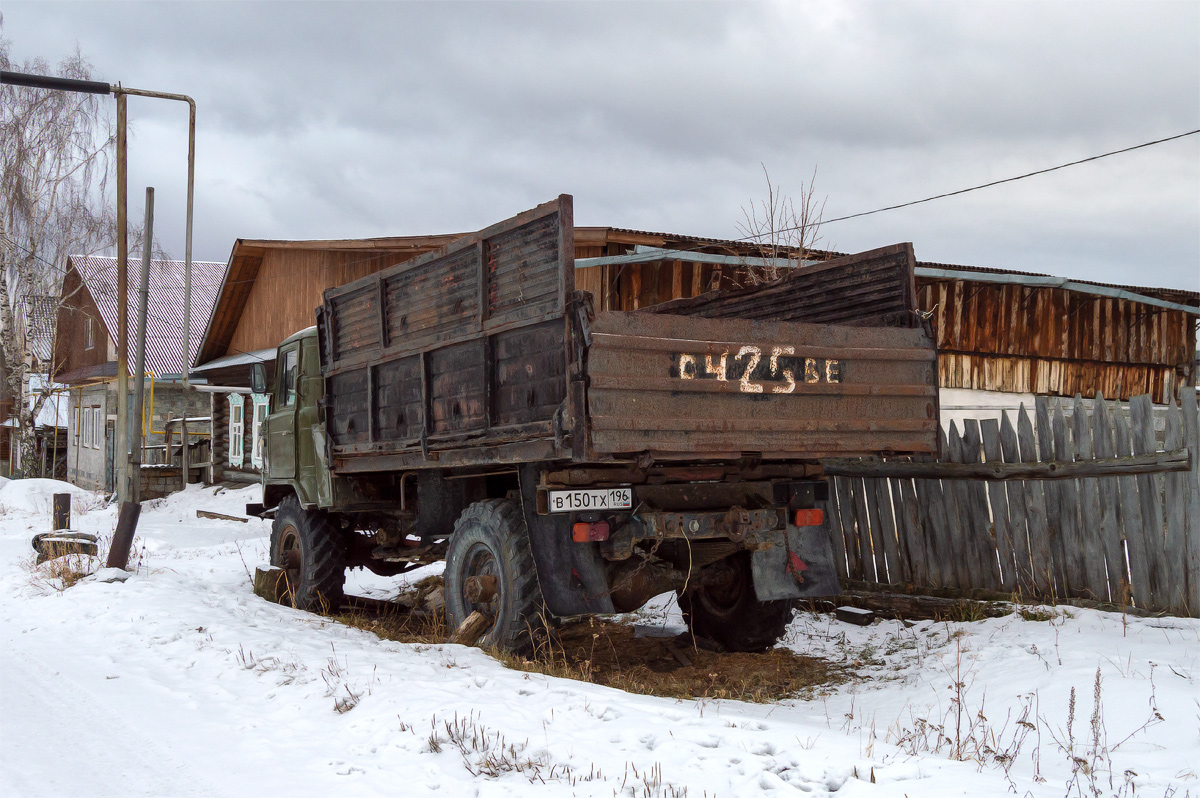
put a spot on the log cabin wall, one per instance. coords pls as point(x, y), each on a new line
point(272, 288)
point(74, 349)
point(288, 288)
point(1057, 342)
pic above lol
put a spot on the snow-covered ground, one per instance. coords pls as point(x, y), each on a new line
point(180, 681)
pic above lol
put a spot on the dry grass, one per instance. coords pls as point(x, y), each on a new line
point(604, 652)
point(61, 573)
point(406, 619)
point(607, 653)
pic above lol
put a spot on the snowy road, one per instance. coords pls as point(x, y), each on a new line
point(181, 682)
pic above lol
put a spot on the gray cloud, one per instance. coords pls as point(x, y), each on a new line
point(355, 120)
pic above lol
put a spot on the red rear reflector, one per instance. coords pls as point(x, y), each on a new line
point(810, 517)
point(589, 533)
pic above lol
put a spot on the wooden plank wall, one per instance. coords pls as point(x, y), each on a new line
point(289, 286)
point(1121, 540)
point(633, 286)
point(1051, 341)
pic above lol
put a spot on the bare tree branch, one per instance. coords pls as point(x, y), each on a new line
point(786, 229)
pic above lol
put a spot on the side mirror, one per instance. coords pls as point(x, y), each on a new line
point(258, 378)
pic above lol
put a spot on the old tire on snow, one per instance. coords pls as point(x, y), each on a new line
point(310, 550)
point(726, 610)
point(491, 540)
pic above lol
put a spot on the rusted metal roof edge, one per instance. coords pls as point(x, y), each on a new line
point(1046, 281)
point(654, 255)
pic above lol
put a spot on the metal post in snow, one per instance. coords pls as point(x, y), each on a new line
point(124, 481)
point(139, 426)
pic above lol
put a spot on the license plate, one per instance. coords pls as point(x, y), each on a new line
point(570, 501)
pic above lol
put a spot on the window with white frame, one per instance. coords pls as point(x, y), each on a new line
point(87, 427)
point(262, 406)
point(97, 426)
point(89, 333)
point(237, 429)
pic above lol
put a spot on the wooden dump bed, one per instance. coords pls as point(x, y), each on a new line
point(482, 353)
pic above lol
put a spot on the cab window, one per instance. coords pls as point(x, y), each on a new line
point(288, 372)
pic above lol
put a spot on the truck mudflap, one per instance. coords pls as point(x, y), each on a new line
point(800, 565)
point(571, 574)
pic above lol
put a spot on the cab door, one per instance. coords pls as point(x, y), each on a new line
point(281, 423)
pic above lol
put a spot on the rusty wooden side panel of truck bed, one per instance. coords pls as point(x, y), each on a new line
point(686, 387)
point(483, 354)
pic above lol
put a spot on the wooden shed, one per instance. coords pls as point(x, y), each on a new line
point(1023, 333)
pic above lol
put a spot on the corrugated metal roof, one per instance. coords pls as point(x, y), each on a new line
point(40, 313)
point(239, 359)
point(1177, 295)
point(164, 307)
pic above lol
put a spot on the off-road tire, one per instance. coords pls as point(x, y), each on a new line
point(729, 613)
point(310, 549)
point(490, 538)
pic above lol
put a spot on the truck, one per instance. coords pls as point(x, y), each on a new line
point(471, 406)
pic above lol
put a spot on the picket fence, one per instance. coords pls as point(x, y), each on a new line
point(1130, 539)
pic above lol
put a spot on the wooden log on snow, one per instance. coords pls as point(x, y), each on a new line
point(270, 584)
point(220, 516)
point(471, 629)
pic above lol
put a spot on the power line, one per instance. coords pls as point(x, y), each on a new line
point(1005, 180)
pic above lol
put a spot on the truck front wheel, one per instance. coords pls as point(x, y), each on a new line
point(310, 550)
point(724, 608)
point(490, 569)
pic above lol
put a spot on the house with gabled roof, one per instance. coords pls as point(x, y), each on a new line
point(86, 354)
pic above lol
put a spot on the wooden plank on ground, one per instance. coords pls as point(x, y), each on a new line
point(980, 515)
point(1130, 511)
point(1191, 434)
point(1045, 560)
point(1068, 514)
point(220, 516)
point(1174, 506)
point(1110, 496)
point(1089, 508)
point(1053, 497)
point(998, 499)
point(1017, 513)
point(1141, 422)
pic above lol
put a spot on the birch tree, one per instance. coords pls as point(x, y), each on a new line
point(54, 172)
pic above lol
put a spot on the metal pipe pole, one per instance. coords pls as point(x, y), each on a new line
point(122, 443)
point(187, 265)
point(135, 455)
point(187, 268)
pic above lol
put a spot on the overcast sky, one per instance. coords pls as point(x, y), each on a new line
point(349, 120)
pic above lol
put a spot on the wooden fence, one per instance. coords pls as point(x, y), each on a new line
point(1131, 539)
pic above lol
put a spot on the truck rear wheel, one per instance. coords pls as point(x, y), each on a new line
point(310, 550)
point(725, 609)
point(489, 568)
